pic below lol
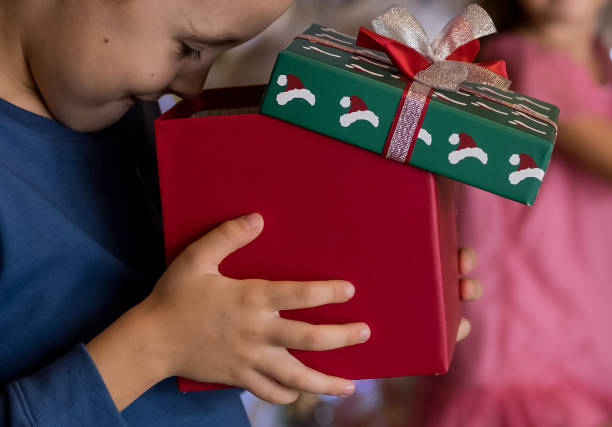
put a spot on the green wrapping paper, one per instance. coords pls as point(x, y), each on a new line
point(473, 135)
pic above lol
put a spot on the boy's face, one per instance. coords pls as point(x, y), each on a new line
point(93, 58)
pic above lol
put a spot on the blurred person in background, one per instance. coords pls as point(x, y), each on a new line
point(540, 352)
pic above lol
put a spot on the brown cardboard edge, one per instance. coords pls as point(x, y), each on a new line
point(219, 98)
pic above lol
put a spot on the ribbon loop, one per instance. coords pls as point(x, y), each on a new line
point(445, 63)
point(399, 24)
point(405, 41)
point(471, 24)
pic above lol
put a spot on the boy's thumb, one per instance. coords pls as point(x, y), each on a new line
point(227, 238)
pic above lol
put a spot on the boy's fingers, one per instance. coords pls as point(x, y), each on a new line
point(467, 260)
point(471, 289)
point(303, 336)
point(464, 329)
point(268, 389)
point(228, 237)
point(294, 374)
point(296, 295)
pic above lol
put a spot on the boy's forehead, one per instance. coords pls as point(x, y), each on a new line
point(217, 21)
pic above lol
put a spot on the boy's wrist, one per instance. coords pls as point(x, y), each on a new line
point(129, 355)
point(149, 343)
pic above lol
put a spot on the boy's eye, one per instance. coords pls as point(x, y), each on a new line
point(188, 51)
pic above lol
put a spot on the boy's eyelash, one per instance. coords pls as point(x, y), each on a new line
point(187, 50)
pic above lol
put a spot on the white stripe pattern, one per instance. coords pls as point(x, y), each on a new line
point(523, 125)
point(522, 98)
point(488, 107)
point(331, 30)
point(332, 38)
point(446, 98)
point(520, 113)
point(360, 68)
point(360, 58)
point(493, 91)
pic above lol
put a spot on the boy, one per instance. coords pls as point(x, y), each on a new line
point(78, 251)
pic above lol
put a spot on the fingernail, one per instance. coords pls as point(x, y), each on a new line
point(464, 329)
point(253, 220)
point(364, 334)
point(348, 390)
point(349, 291)
point(477, 291)
point(474, 289)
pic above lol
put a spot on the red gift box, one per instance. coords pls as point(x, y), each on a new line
point(332, 211)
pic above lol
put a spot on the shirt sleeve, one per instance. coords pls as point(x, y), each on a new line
point(68, 392)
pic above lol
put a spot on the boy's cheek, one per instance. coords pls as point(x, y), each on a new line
point(88, 118)
point(87, 99)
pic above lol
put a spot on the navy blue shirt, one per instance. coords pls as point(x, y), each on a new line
point(79, 245)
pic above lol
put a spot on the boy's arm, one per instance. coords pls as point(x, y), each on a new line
point(72, 392)
point(134, 353)
point(201, 325)
point(68, 392)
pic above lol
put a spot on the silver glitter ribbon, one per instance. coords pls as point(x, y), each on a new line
point(473, 22)
point(399, 24)
point(407, 122)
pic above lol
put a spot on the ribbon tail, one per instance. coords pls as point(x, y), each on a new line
point(483, 75)
point(407, 60)
point(498, 67)
point(468, 52)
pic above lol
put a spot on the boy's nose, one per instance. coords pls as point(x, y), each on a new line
point(186, 94)
point(188, 86)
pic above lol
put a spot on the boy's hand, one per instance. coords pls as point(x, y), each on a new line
point(216, 329)
point(471, 289)
point(199, 324)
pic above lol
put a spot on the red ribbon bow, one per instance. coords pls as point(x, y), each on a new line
point(410, 62)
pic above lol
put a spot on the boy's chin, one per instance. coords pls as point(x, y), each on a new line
point(94, 119)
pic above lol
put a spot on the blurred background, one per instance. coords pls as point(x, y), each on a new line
point(252, 62)
point(390, 403)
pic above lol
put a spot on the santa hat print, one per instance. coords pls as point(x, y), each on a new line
point(527, 168)
point(424, 136)
point(354, 102)
point(466, 147)
point(358, 110)
point(294, 89)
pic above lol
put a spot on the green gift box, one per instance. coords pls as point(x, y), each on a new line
point(484, 136)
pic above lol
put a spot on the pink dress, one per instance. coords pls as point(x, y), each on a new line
point(540, 351)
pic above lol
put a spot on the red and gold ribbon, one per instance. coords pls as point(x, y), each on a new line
point(444, 63)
